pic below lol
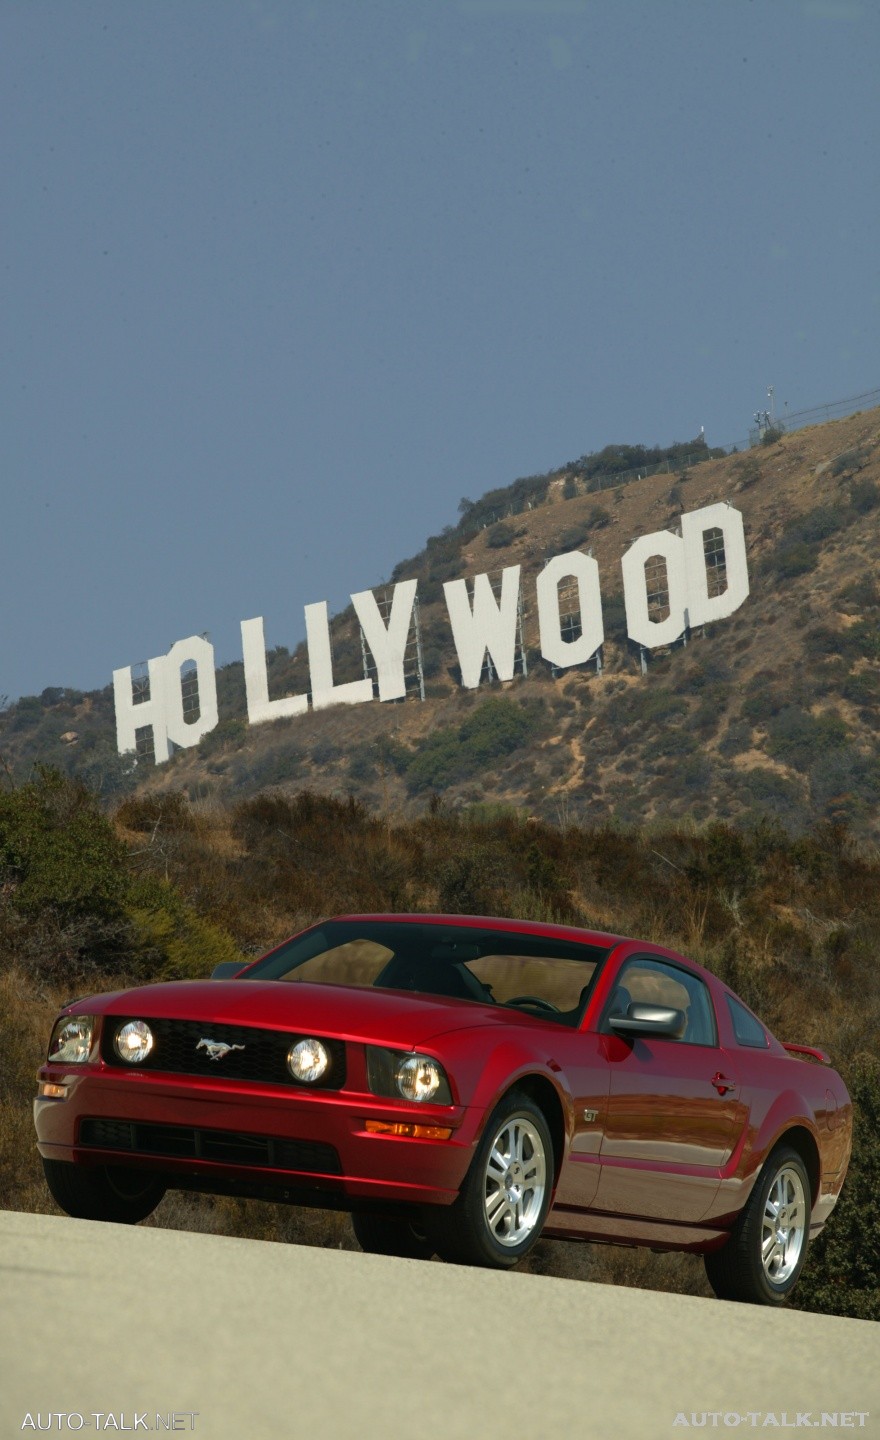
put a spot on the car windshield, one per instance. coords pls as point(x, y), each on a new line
point(536, 973)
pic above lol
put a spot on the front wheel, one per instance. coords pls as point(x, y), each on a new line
point(503, 1203)
point(106, 1192)
point(765, 1254)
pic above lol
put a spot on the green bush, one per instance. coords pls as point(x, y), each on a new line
point(58, 852)
point(171, 941)
point(574, 537)
point(842, 1276)
point(500, 536)
point(796, 558)
point(864, 496)
point(494, 729)
point(797, 738)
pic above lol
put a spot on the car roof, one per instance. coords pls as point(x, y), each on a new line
point(494, 922)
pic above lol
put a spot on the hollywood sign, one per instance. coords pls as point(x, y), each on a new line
point(483, 623)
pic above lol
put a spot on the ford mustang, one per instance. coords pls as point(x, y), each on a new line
point(462, 1086)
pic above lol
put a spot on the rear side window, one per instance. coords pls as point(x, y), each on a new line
point(746, 1028)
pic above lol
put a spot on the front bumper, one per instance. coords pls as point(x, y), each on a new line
point(382, 1168)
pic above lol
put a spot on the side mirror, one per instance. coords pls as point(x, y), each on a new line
point(643, 1019)
point(227, 970)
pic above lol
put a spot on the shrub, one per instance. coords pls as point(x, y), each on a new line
point(864, 496)
point(495, 728)
point(570, 539)
point(862, 688)
point(173, 941)
point(796, 558)
point(598, 518)
point(230, 734)
point(772, 435)
point(58, 852)
point(862, 639)
point(736, 739)
point(843, 1274)
point(849, 461)
point(796, 737)
point(500, 536)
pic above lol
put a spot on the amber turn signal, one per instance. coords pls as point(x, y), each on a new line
point(413, 1132)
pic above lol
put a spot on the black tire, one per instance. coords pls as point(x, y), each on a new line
point(481, 1226)
point(740, 1270)
point(103, 1193)
point(377, 1235)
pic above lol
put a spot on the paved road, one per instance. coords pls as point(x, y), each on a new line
point(266, 1340)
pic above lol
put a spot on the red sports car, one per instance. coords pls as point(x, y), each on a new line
point(462, 1086)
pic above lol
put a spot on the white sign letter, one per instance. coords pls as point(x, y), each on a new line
point(489, 626)
point(183, 732)
point(256, 681)
point(388, 646)
point(324, 692)
point(130, 717)
point(585, 571)
point(642, 629)
point(703, 607)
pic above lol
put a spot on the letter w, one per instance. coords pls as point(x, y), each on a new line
point(489, 625)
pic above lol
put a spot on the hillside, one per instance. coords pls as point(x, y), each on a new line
point(772, 711)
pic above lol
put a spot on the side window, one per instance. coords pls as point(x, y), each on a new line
point(746, 1028)
point(654, 982)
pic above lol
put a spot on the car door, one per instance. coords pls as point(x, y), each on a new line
point(673, 1111)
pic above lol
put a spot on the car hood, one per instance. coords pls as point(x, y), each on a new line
point(389, 1017)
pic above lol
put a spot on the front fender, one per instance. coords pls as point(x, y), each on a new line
point(484, 1069)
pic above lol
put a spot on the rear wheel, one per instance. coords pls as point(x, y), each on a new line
point(503, 1203)
point(378, 1235)
point(768, 1245)
point(106, 1192)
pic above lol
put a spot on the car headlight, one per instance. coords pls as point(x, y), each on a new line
point(308, 1061)
point(403, 1074)
point(72, 1040)
point(133, 1042)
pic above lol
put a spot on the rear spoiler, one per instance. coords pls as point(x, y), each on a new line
point(809, 1050)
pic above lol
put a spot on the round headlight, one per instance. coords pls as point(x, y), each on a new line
point(418, 1077)
point(72, 1040)
point(133, 1042)
point(308, 1061)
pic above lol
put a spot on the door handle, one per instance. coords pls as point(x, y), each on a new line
point(722, 1084)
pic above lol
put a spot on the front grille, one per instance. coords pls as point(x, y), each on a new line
point(262, 1056)
point(184, 1142)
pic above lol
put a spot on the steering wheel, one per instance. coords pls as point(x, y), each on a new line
point(534, 1000)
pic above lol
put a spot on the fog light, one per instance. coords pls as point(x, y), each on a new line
point(308, 1061)
point(133, 1042)
point(49, 1091)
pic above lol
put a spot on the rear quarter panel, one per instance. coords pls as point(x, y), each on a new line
point(784, 1094)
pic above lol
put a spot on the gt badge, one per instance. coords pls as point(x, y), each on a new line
point(217, 1049)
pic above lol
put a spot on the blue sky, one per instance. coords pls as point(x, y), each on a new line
point(281, 282)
